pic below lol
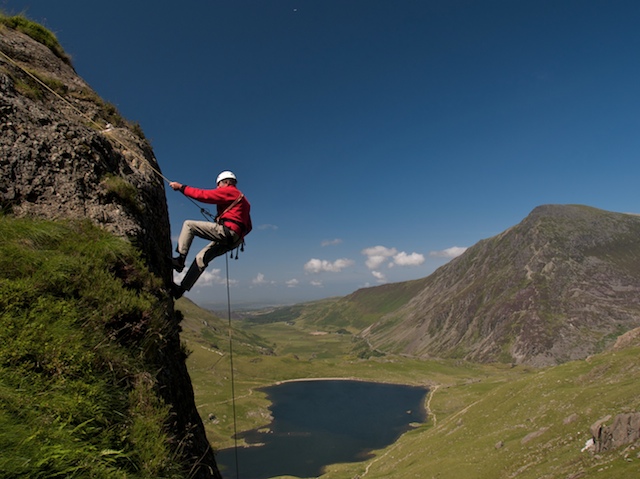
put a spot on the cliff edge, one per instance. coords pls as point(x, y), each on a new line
point(66, 155)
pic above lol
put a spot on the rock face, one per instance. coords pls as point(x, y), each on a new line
point(625, 429)
point(67, 154)
point(64, 153)
point(561, 285)
point(628, 339)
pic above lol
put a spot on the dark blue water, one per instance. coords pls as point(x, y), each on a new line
point(317, 423)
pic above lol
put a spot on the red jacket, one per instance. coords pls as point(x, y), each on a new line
point(238, 218)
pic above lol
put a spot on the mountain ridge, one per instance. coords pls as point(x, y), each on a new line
point(559, 285)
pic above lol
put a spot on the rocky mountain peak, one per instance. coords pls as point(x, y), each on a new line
point(560, 285)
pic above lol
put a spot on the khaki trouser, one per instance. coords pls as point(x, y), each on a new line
point(222, 240)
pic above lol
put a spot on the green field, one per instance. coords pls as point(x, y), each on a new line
point(485, 421)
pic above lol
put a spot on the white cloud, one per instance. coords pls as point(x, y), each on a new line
point(331, 242)
point(376, 255)
point(267, 227)
point(452, 252)
point(404, 259)
point(317, 284)
point(259, 279)
point(379, 276)
point(178, 277)
point(292, 283)
point(318, 265)
point(209, 278)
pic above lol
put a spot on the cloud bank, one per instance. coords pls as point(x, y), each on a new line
point(321, 265)
point(378, 255)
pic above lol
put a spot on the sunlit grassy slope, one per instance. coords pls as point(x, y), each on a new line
point(81, 330)
point(486, 421)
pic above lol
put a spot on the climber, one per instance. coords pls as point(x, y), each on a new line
point(232, 224)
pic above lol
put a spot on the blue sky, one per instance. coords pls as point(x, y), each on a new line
point(374, 139)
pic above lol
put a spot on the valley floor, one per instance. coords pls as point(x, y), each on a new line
point(485, 421)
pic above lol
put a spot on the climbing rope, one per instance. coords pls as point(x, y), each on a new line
point(233, 389)
point(205, 213)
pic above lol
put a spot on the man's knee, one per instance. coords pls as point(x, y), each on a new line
point(202, 262)
point(188, 224)
point(205, 256)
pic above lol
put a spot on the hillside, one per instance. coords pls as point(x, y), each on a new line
point(560, 285)
point(204, 328)
point(485, 420)
point(353, 312)
point(536, 424)
point(575, 420)
point(91, 339)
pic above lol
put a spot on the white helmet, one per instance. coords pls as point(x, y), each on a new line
point(225, 175)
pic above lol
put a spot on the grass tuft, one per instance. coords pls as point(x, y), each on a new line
point(37, 32)
point(121, 189)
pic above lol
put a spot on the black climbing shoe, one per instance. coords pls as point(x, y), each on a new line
point(178, 263)
point(176, 291)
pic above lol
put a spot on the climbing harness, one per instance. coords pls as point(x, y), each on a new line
point(206, 213)
point(218, 219)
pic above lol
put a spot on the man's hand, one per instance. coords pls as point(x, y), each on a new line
point(175, 185)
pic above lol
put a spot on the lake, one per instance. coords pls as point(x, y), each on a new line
point(321, 422)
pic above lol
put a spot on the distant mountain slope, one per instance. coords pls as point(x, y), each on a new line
point(353, 312)
point(561, 285)
point(201, 326)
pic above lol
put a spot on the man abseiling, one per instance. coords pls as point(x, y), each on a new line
point(233, 223)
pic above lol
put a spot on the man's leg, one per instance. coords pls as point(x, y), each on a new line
point(219, 246)
point(190, 229)
point(199, 264)
point(202, 229)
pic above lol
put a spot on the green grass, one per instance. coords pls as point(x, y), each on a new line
point(119, 188)
point(80, 320)
point(541, 420)
point(37, 32)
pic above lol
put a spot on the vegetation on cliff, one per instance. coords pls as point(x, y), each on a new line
point(81, 328)
point(37, 32)
point(91, 341)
